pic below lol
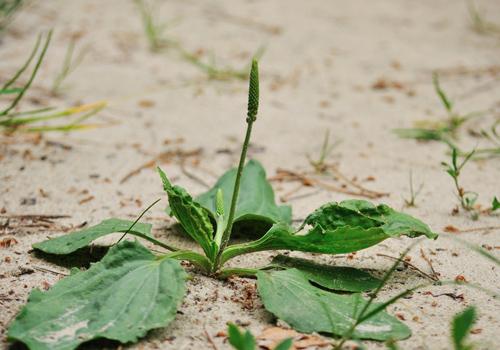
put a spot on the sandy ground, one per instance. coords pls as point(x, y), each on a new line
point(321, 61)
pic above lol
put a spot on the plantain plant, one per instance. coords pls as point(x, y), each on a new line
point(134, 289)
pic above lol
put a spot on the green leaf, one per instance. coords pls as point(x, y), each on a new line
point(256, 198)
point(448, 105)
point(341, 278)
point(120, 298)
point(461, 326)
point(71, 242)
point(363, 214)
point(10, 91)
point(285, 344)
point(337, 228)
point(240, 340)
point(419, 134)
point(192, 216)
point(316, 310)
point(495, 204)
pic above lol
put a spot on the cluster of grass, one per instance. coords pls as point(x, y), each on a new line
point(13, 120)
point(446, 131)
point(155, 30)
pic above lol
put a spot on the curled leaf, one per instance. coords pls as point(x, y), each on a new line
point(337, 228)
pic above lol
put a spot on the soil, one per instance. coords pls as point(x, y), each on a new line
point(355, 68)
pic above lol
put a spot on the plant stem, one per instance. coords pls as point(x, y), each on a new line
point(361, 316)
point(195, 258)
point(237, 182)
point(253, 106)
point(227, 232)
point(237, 271)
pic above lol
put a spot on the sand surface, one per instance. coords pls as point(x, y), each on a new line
point(318, 72)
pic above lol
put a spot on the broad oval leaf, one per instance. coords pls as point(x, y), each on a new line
point(289, 295)
point(121, 297)
point(192, 216)
point(341, 278)
point(71, 242)
point(256, 198)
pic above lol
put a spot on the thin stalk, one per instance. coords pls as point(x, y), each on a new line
point(347, 335)
point(234, 200)
point(138, 218)
point(253, 106)
point(25, 65)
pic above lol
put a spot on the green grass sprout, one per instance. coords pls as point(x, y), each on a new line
point(479, 24)
point(213, 71)
point(68, 66)
point(410, 202)
point(446, 131)
point(154, 30)
point(319, 164)
point(467, 198)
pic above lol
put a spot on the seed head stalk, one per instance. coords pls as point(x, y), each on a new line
point(253, 106)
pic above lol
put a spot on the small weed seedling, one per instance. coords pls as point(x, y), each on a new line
point(467, 198)
point(213, 71)
point(319, 164)
point(12, 120)
point(68, 66)
point(446, 131)
point(479, 23)
point(134, 289)
point(154, 30)
point(410, 202)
